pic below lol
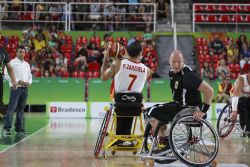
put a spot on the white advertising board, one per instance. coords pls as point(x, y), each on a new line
point(67, 109)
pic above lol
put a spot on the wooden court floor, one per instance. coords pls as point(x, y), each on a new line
point(70, 143)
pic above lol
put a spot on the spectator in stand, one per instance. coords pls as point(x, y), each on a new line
point(25, 41)
point(39, 43)
point(224, 90)
point(150, 57)
point(48, 65)
point(119, 17)
point(108, 12)
point(244, 55)
point(55, 12)
point(232, 53)
point(95, 16)
point(52, 42)
point(93, 52)
point(81, 63)
point(61, 64)
point(206, 70)
point(106, 42)
point(222, 70)
point(77, 16)
point(240, 41)
point(217, 47)
point(162, 10)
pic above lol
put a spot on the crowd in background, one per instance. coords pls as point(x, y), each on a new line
point(223, 58)
point(54, 54)
point(93, 16)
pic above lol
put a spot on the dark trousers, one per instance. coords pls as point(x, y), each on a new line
point(1, 88)
point(244, 109)
point(164, 112)
point(17, 102)
point(124, 125)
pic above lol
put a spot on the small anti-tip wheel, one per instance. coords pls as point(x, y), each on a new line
point(104, 155)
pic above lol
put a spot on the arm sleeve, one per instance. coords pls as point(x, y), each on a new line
point(191, 81)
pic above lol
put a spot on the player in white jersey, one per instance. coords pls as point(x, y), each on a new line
point(129, 74)
point(241, 101)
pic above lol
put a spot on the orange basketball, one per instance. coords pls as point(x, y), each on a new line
point(117, 50)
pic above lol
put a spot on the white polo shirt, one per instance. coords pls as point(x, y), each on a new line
point(21, 71)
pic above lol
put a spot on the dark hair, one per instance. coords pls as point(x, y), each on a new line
point(20, 47)
point(134, 49)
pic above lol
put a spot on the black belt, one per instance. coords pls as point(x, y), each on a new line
point(19, 87)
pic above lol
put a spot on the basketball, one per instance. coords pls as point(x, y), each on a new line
point(117, 50)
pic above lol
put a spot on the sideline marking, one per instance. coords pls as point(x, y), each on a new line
point(6, 149)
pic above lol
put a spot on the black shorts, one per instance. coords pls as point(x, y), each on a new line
point(165, 112)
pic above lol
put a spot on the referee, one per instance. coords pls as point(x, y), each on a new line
point(186, 88)
point(19, 95)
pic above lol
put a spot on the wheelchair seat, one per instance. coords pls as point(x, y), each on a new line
point(128, 104)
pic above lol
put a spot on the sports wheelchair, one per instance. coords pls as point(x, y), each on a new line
point(126, 106)
point(193, 142)
point(225, 125)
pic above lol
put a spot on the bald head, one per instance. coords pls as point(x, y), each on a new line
point(176, 61)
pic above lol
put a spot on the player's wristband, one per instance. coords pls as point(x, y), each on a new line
point(204, 107)
point(235, 100)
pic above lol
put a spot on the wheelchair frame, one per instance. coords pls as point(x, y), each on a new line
point(182, 145)
point(109, 131)
point(225, 125)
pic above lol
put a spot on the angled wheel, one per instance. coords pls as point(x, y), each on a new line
point(102, 133)
point(194, 143)
point(224, 123)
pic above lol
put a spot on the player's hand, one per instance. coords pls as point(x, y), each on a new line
point(106, 52)
point(234, 115)
point(198, 115)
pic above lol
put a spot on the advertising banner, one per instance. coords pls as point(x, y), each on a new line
point(67, 109)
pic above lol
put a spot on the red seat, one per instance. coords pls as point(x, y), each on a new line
point(248, 18)
point(205, 50)
point(225, 18)
point(38, 74)
point(93, 66)
point(65, 74)
point(212, 18)
point(201, 58)
point(210, 8)
point(237, 68)
point(223, 8)
point(74, 74)
point(81, 74)
point(234, 75)
point(207, 58)
point(13, 39)
point(67, 39)
point(216, 58)
point(199, 18)
point(232, 68)
point(97, 40)
point(240, 18)
point(92, 39)
point(198, 8)
point(79, 40)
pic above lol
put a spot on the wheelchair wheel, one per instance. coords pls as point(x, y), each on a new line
point(102, 133)
point(194, 143)
point(224, 123)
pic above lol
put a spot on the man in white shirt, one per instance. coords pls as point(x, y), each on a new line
point(19, 95)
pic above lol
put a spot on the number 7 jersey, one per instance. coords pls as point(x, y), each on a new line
point(131, 77)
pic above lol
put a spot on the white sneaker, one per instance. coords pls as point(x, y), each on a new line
point(127, 143)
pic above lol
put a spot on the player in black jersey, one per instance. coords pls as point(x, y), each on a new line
point(186, 88)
